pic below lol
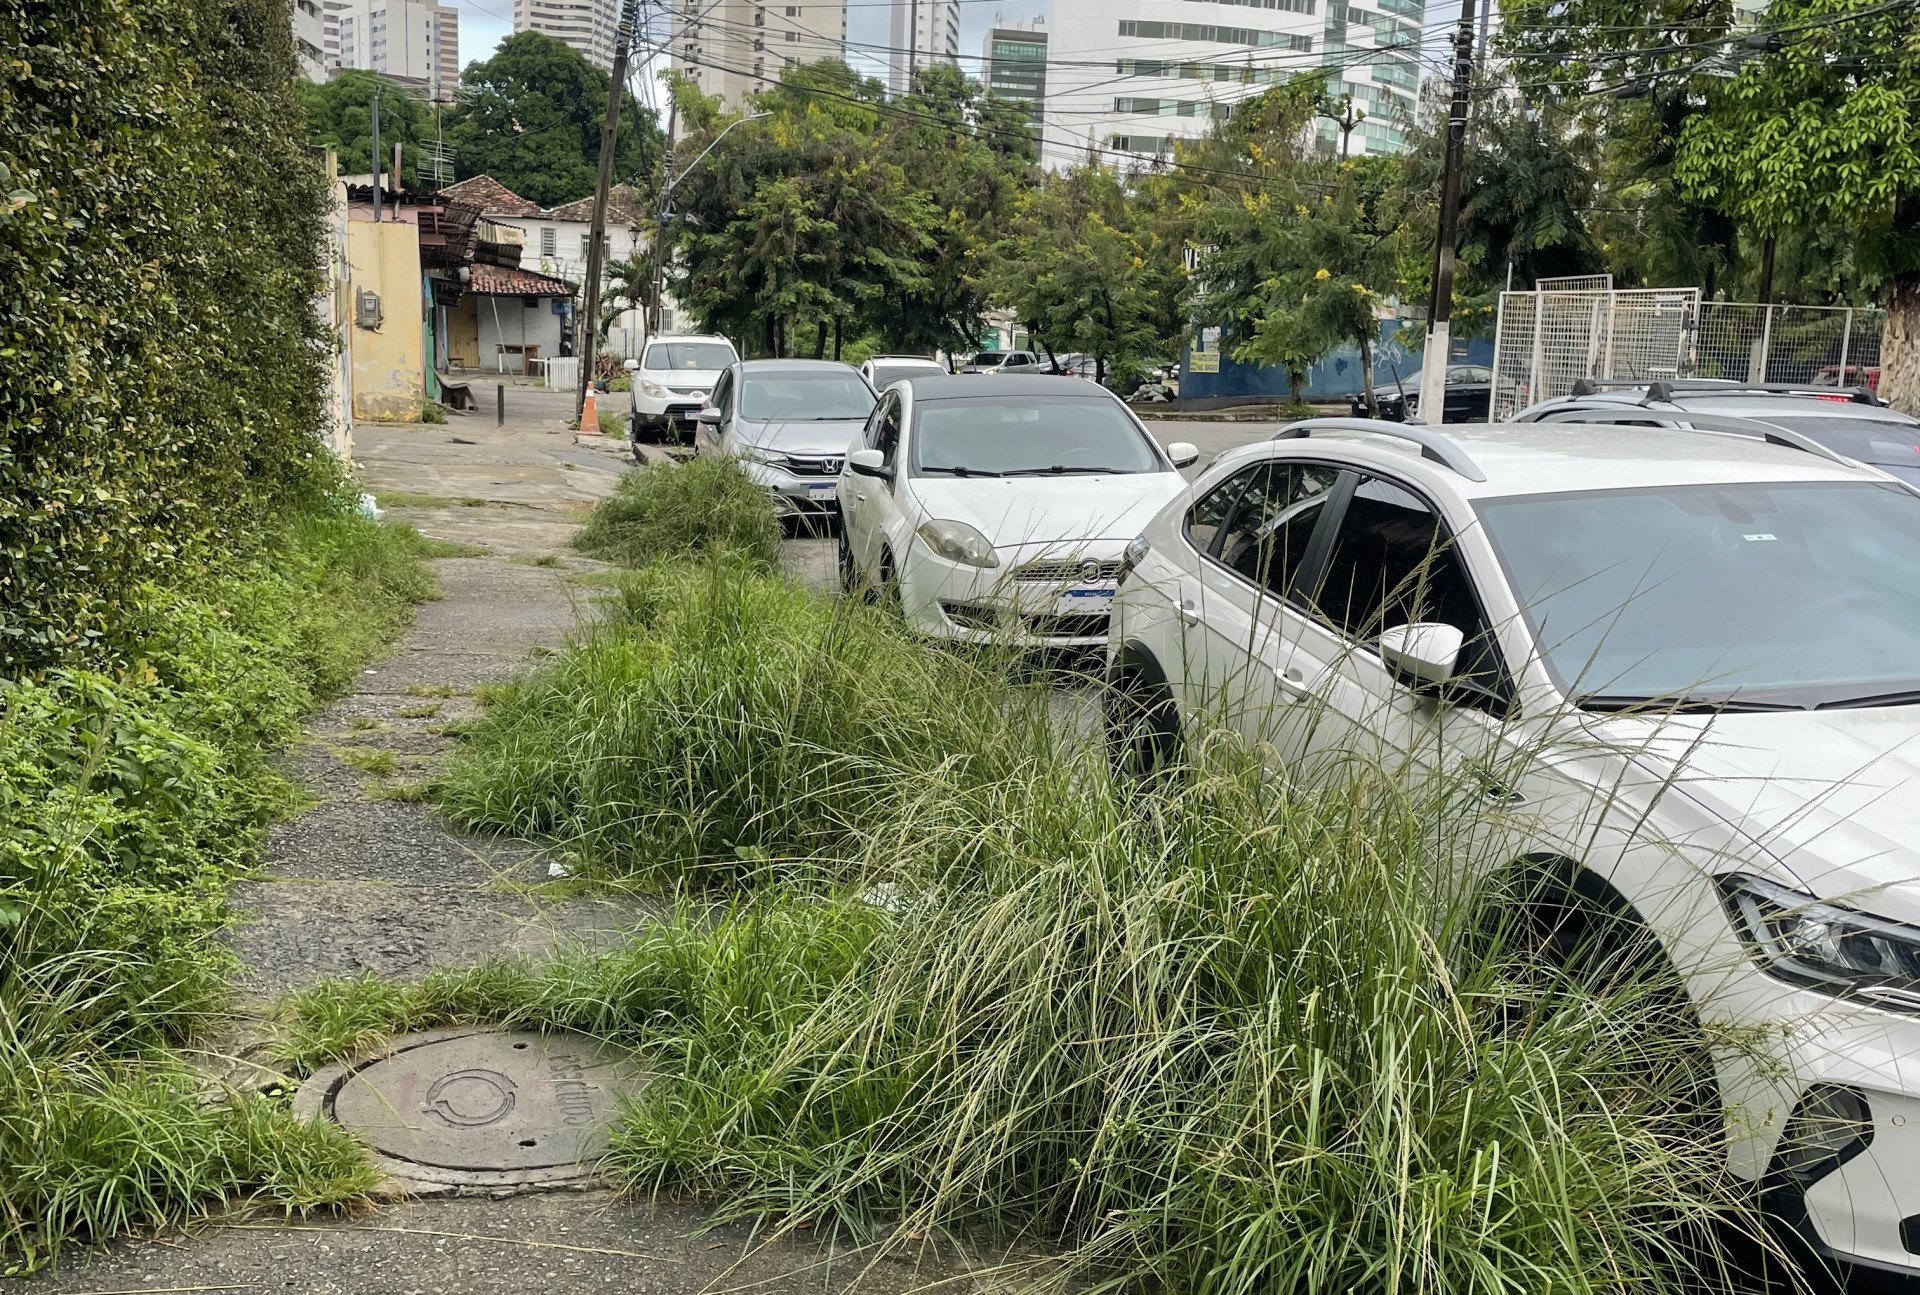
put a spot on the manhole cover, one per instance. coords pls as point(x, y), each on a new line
point(479, 1107)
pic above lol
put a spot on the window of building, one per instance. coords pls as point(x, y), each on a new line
point(793, 38)
point(1213, 34)
point(549, 241)
point(793, 11)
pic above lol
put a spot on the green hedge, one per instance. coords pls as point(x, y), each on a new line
point(161, 364)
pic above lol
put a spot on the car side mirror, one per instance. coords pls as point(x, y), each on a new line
point(710, 416)
point(1422, 654)
point(630, 365)
point(1183, 453)
point(867, 462)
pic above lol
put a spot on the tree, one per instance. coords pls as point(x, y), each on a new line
point(340, 115)
point(1826, 131)
point(530, 117)
point(1084, 268)
point(1524, 192)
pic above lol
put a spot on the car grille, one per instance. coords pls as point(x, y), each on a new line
point(973, 616)
point(822, 466)
point(1084, 570)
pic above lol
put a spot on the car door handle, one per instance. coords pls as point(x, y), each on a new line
point(1188, 612)
point(1292, 677)
point(860, 495)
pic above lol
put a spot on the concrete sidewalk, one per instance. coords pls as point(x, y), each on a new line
point(369, 880)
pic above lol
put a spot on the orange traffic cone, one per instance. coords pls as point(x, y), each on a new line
point(590, 412)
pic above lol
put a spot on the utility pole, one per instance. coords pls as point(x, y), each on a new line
point(1433, 360)
point(589, 328)
point(913, 42)
point(657, 288)
point(376, 153)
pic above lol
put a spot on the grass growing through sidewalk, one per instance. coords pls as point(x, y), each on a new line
point(130, 800)
point(1235, 1037)
point(672, 510)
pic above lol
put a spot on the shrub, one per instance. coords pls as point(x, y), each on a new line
point(676, 510)
point(612, 423)
point(128, 802)
point(720, 717)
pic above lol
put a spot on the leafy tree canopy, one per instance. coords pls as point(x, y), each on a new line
point(530, 117)
point(340, 116)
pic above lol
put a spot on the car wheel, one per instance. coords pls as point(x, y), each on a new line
point(885, 589)
point(1142, 726)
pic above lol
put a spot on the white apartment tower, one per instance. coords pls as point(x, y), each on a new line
point(409, 40)
point(310, 39)
point(1130, 77)
point(922, 32)
point(590, 26)
point(735, 48)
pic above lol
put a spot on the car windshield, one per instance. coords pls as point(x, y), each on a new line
point(1028, 436)
point(988, 357)
point(885, 375)
point(1805, 594)
point(688, 355)
point(805, 397)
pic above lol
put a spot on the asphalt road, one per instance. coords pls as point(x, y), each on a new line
point(1212, 437)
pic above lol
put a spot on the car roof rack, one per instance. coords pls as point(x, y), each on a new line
point(1719, 424)
point(1434, 446)
point(1662, 390)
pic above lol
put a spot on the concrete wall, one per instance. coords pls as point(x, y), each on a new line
point(515, 321)
point(335, 308)
point(389, 359)
point(1333, 377)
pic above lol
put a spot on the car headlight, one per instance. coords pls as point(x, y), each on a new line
point(651, 388)
point(1837, 950)
point(758, 454)
point(959, 542)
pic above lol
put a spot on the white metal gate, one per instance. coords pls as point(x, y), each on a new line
point(1545, 341)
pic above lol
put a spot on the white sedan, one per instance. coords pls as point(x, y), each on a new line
point(998, 512)
point(1676, 676)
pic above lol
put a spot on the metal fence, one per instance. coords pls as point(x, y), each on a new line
point(1546, 340)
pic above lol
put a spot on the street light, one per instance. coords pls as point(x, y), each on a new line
point(660, 233)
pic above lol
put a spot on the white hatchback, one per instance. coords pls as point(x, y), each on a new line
point(997, 512)
point(1684, 670)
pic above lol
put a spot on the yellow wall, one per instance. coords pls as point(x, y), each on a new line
point(389, 361)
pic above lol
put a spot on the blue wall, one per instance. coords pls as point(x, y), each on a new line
point(1333, 377)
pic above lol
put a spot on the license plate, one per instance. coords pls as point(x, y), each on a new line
point(1083, 602)
point(821, 490)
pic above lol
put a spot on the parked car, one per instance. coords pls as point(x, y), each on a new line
point(882, 371)
point(999, 511)
point(1684, 671)
point(1866, 376)
point(1004, 362)
point(788, 423)
point(671, 382)
point(1850, 422)
point(1469, 397)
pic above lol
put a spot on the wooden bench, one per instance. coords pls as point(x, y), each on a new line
point(456, 395)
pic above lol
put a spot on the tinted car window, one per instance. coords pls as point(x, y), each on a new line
point(688, 355)
point(1029, 436)
point(1207, 516)
point(1392, 564)
point(1265, 537)
point(805, 397)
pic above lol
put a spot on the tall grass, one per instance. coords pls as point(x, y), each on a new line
point(1235, 1037)
point(128, 800)
point(718, 719)
point(674, 510)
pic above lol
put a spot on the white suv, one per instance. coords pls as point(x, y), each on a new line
point(1684, 669)
point(671, 382)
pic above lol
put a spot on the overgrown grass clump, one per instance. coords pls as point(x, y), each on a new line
point(1235, 1036)
point(128, 801)
point(667, 511)
point(719, 719)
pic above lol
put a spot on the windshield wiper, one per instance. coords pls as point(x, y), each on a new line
point(1061, 470)
point(1678, 705)
point(1911, 697)
point(965, 472)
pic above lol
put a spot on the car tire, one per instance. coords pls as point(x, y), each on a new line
point(1142, 722)
point(850, 582)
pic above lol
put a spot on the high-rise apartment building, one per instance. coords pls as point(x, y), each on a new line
point(590, 26)
point(922, 32)
point(310, 39)
point(409, 40)
point(1130, 77)
point(734, 48)
point(1013, 65)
